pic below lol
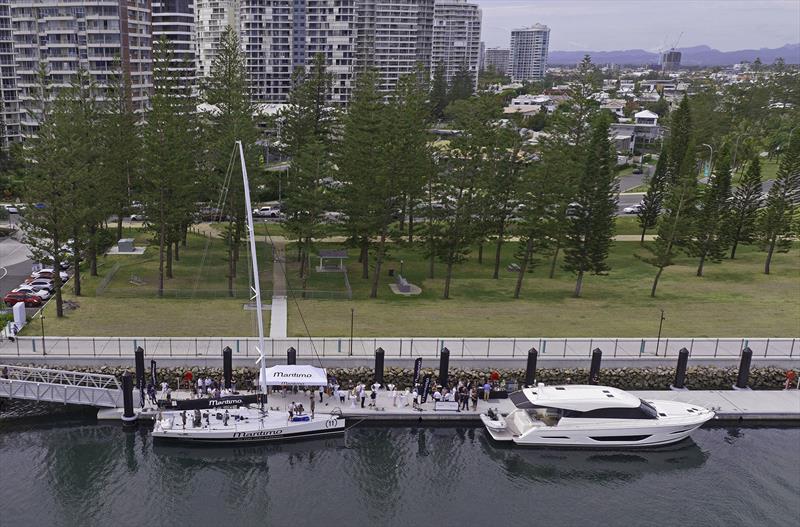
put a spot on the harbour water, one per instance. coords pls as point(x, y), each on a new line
point(68, 469)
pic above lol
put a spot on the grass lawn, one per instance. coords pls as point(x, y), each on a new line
point(769, 169)
point(195, 302)
point(734, 299)
point(139, 317)
point(201, 271)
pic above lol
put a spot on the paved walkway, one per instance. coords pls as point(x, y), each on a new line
point(279, 312)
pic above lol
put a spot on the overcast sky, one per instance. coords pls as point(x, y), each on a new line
point(604, 25)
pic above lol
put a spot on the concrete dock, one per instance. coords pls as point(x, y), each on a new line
point(730, 405)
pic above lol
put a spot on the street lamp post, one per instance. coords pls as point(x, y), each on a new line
point(352, 323)
point(658, 339)
point(44, 348)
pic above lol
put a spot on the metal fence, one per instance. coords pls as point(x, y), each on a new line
point(342, 347)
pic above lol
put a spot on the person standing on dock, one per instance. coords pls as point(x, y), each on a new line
point(362, 393)
point(473, 394)
point(313, 402)
point(486, 389)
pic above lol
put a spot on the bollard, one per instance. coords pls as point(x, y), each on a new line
point(530, 370)
point(379, 353)
point(744, 370)
point(594, 370)
point(227, 366)
point(680, 371)
point(128, 416)
point(291, 356)
point(139, 359)
point(444, 366)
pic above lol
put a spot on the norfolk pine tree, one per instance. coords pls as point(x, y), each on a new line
point(742, 217)
point(775, 223)
point(439, 97)
point(227, 89)
point(709, 241)
point(591, 225)
point(653, 199)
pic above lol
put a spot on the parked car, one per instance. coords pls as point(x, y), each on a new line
point(14, 297)
point(12, 209)
point(48, 274)
point(633, 209)
point(40, 283)
point(44, 294)
point(267, 212)
point(138, 216)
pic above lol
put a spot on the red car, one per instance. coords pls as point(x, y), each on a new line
point(30, 300)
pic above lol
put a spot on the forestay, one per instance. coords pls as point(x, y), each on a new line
point(295, 375)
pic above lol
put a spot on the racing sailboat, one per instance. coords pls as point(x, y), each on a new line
point(254, 422)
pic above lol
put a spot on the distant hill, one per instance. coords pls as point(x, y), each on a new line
point(693, 56)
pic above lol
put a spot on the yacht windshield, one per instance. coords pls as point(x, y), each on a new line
point(648, 409)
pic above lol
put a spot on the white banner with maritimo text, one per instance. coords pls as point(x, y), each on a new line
point(295, 375)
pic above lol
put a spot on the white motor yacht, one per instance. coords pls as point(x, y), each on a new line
point(592, 416)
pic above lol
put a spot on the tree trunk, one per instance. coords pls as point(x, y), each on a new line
point(237, 239)
point(410, 226)
point(702, 259)
point(93, 250)
point(169, 259)
point(480, 253)
point(641, 241)
point(578, 285)
point(57, 275)
point(736, 241)
point(365, 258)
point(448, 276)
point(161, 238)
point(378, 262)
point(497, 252)
point(770, 251)
point(76, 264)
point(655, 282)
point(524, 267)
point(119, 226)
point(555, 259)
point(403, 217)
point(230, 271)
point(177, 251)
point(184, 235)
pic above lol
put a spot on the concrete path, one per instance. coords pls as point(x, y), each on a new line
point(279, 313)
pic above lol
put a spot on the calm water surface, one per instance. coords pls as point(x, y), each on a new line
point(71, 470)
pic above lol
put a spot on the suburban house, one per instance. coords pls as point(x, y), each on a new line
point(642, 131)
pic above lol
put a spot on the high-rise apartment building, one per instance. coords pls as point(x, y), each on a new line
point(456, 37)
point(279, 36)
point(211, 19)
point(100, 36)
point(9, 111)
point(173, 20)
point(496, 59)
point(528, 57)
point(394, 36)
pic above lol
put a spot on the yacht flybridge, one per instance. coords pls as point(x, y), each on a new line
point(253, 423)
point(592, 416)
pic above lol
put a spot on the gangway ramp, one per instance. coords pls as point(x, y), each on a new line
point(59, 386)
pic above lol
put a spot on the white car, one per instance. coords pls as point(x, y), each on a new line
point(44, 294)
point(138, 216)
point(12, 209)
point(39, 284)
point(49, 271)
point(633, 209)
point(267, 212)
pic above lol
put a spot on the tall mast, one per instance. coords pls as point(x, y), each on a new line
point(256, 283)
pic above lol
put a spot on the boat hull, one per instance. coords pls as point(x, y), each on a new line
point(675, 426)
point(254, 429)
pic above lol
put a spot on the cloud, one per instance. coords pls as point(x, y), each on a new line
point(649, 24)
